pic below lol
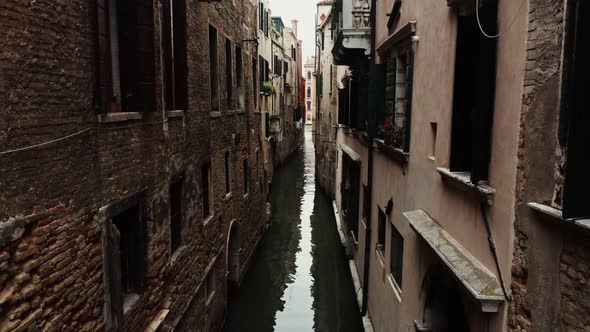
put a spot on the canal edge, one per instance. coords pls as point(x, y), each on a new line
point(367, 323)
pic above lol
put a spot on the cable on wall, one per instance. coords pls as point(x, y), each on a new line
point(507, 27)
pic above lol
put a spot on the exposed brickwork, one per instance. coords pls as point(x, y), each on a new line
point(550, 264)
point(51, 273)
point(575, 290)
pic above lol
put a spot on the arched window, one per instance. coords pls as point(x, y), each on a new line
point(308, 92)
point(309, 75)
point(309, 105)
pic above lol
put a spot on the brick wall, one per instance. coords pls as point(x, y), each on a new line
point(549, 266)
point(51, 259)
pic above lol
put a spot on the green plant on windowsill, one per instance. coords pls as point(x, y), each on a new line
point(268, 88)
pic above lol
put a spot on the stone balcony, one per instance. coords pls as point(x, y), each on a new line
point(353, 31)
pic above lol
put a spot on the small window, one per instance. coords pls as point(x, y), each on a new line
point(239, 78)
point(308, 93)
point(176, 214)
point(309, 75)
point(227, 172)
point(254, 82)
point(132, 253)
point(474, 94)
point(323, 40)
point(381, 226)
point(331, 78)
point(213, 69)
point(228, 74)
point(396, 255)
point(175, 55)
point(309, 106)
point(207, 195)
point(126, 60)
point(246, 177)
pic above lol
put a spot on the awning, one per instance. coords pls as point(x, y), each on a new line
point(473, 275)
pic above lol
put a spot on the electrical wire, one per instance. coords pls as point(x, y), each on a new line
point(45, 143)
point(507, 27)
point(492, 245)
point(30, 147)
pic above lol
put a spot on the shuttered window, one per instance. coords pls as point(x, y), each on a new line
point(396, 255)
point(125, 56)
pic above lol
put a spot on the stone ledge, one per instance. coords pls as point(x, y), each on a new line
point(391, 152)
point(556, 216)
point(215, 114)
point(471, 273)
point(461, 181)
point(119, 117)
point(175, 114)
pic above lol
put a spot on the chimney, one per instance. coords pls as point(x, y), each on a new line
point(294, 27)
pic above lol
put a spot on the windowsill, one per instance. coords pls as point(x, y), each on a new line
point(210, 298)
point(207, 220)
point(231, 112)
point(119, 117)
point(396, 289)
point(129, 302)
point(246, 195)
point(380, 258)
point(177, 254)
point(431, 158)
point(462, 181)
point(240, 111)
point(175, 114)
point(227, 196)
point(215, 114)
point(392, 152)
point(557, 216)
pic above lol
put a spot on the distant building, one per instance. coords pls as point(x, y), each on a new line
point(309, 75)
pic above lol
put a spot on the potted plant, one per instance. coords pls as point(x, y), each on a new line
point(268, 88)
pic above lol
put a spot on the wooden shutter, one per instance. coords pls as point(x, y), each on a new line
point(103, 70)
point(408, 106)
point(112, 277)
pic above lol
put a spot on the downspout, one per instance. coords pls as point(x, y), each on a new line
point(372, 122)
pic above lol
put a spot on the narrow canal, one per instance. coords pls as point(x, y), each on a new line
point(299, 279)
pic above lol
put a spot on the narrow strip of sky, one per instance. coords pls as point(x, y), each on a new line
point(302, 10)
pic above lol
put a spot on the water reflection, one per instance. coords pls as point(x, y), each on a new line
point(299, 279)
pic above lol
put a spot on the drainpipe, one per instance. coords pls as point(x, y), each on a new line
point(372, 122)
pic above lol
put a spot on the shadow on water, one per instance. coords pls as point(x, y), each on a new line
point(299, 279)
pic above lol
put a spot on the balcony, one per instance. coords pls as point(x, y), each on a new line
point(353, 31)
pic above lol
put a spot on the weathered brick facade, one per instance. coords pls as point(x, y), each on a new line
point(51, 226)
point(551, 255)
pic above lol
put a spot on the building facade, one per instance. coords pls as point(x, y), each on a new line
point(309, 75)
point(459, 169)
point(131, 158)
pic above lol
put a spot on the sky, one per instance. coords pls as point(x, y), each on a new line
point(302, 10)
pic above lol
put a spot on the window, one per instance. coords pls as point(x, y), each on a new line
point(174, 55)
point(286, 65)
point(331, 78)
point(309, 75)
point(266, 22)
point(267, 124)
point(323, 40)
point(308, 94)
point(474, 92)
point(381, 225)
point(246, 177)
point(128, 230)
point(176, 213)
point(261, 17)
point(309, 102)
point(126, 60)
point(396, 255)
point(320, 85)
point(351, 174)
point(278, 66)
point(239, 78)
point(254, 82)
point(576, 120)
point(395, 127)
point(206, 194)
point(228, 75)
point(213, 69)
point(227, 172)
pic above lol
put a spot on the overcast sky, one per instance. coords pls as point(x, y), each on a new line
point(302, 10)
